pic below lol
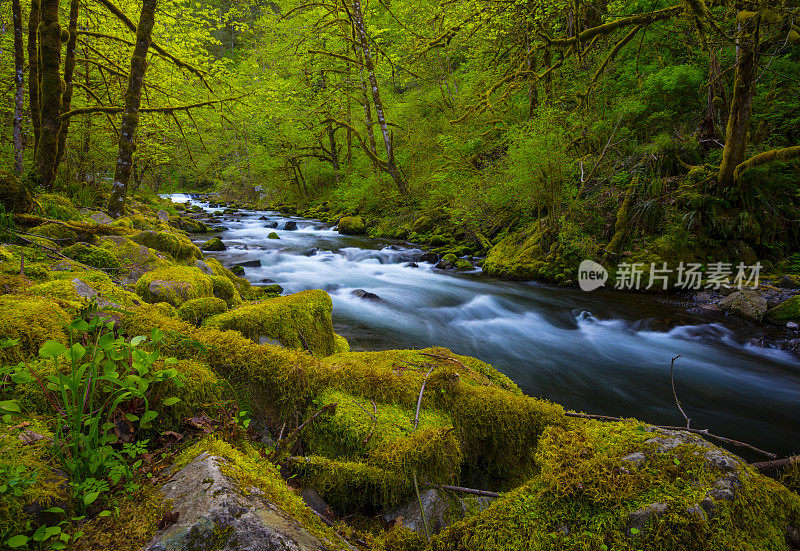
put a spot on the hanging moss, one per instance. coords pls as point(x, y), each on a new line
point(32, 320)
point(298, 320)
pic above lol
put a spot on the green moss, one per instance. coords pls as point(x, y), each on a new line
point(178, 246)
point(57, 207)
point(131, 255)
point(788, 310)
point(352, 225)
point(54, 231)
point(463, 264)
point(214, 244)
point(340, 344)
point(188, 224)
point(531, 253)
point(174, 285)
point(92, 256)
point(198, 309)
point(28, 469)
point(273, 235)
point(241, 284)
point(32, 320)
point(223, 289)
point(450, 258)
point(64, 287)
point(585, 497)
point(198, 388)
point(298, 320)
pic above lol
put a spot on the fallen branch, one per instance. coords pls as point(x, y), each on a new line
point(483, 493)
point(703, 432)
point(674, 394)
point(776, 465)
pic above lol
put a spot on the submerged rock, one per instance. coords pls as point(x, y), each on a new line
point(745, 304)
point(366, 295)
point(271, 225)
point(291, 225)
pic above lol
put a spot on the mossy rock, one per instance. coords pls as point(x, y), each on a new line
point(464, 265)
point(133, 256)
point(76, 288)
point(198, 388)
point(26, 468)
point(189, 225)
point(237, 270)
point(272, 235)
point(14, 195)
point(297, 321)
point(174, 285)
point(352, 225)
point(57, 207)
point(340, 344)
point(176, 245)
point(91, 256)
point(198, 309)
point(628, 486)
point(31, 319)
point(788, 310)
point(56, 232)
point(214, 244)
point(522, 255)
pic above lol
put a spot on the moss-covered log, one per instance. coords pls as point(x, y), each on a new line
point(784, 155)
point(130, 120)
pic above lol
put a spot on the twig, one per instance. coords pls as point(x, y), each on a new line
point(419, 400)
point(704, 432)
point(484, 493)
point(303, 340)
point(777, 464)
point(329, 408)
point(674, 394)
point(421, 509)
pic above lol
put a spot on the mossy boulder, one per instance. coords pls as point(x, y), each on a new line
point(464, 265)
point(91, 256)
point(31, 319)
point(58, 207)
point(745, 304)
point(189, 225)
point(174, 285)
point(788, 310)
point(198, 388)
point(628, 486)
point(273, 235)
point(214, 244)
point(301, 320)
point(132, 256)
point(14, 195)
point(530, 253)
point(448, 261)
point(56, 232)
point(176, 245)
point(198, 309)
point(75, 288)
point(352, 225)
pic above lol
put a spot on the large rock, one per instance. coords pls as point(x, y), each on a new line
point(14, 196)
point(745, 304)
point(216, 513)
point(788, 310)
point(174, 285)
point(441, 510)
point(352, 225)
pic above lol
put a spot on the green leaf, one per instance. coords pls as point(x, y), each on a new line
point(79, 325)
point(17, 541)
point(90, 498)
point(40, 534)
point(634, 531)
point(171, 401)
point(54, 510)
point(135, 341)
point(10, 405)
point(105, 513)
point(52, 348)
point(75, 352)
point(21, 377)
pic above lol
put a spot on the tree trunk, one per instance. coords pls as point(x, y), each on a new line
point(19, 84)
point(334, 152)
point(33, 70)
point(50, 90)
point(744, 88)
point(376, 99)
point(69, 71)
point(130, 118)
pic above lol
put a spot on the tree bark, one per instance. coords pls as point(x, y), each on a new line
point(69, 71)
point(33, 69)
point(744, 88)
point(43, 173)
point(402, 186)
point(19, 84)
point(130, 118)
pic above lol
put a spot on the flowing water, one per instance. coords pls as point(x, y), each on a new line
point(602, 352)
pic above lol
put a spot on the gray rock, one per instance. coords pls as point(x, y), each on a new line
point(214, 514)
point(63, 266)
point(315, 501)
point(203, 267)
point(721, 460)
point(82, 289)
point(791, 325)
point(163, 215)
point(745, 304)
point(430, 257)
point(101, 218)
point(290, 225)
point(441, 509)
point(641, 517)
point(366, 295)
point(636, 458)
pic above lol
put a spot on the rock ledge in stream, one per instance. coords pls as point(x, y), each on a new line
point(745, 304)
point(214, 514)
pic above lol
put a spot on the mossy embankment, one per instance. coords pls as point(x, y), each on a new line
point(363, 429)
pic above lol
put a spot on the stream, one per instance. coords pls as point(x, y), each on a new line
point(603, 352)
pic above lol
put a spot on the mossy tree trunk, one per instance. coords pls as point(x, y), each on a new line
point(744, 87)
point(19, 84)
point(391, 166)
point(69, 71)
point(33, 69)
point(50, 89)
point(130, 118)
